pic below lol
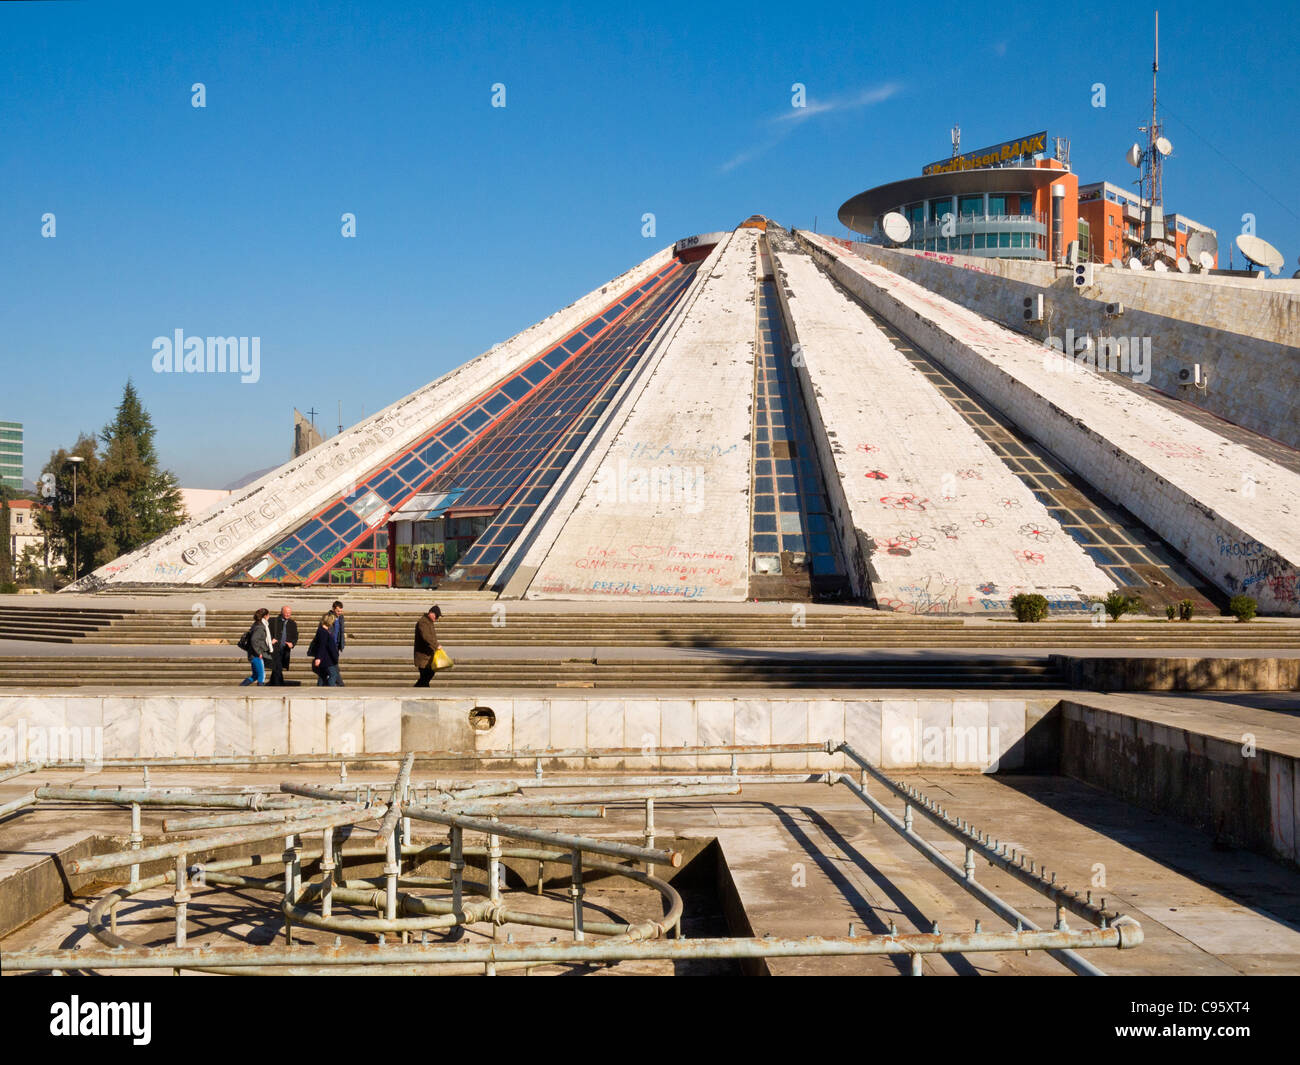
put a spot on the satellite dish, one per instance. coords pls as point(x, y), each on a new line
point(1200, 244)
point(1116, 262)
point(896, 228)
point(1206, 260)
point(1159, 267)
point(1135, 264)
point(1134, 156)
point(1163, 146)
point(1258, 250)
point(1184, 267)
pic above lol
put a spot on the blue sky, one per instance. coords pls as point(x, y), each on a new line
point(473, 222)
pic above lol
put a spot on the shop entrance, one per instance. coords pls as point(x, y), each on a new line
point(427, 549)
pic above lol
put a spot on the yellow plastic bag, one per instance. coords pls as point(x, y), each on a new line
point(442, 660)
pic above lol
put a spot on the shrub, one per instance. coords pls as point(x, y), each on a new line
point(1242, 607)
point(1029, 607)
point(1117, 604)
point(1186, 609)
point(1171, 611)
point(8, 588)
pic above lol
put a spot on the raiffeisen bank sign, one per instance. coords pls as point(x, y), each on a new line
point(996, 155)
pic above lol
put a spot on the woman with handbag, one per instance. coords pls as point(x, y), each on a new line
point(257, 645)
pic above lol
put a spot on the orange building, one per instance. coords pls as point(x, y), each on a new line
point(1115, 220)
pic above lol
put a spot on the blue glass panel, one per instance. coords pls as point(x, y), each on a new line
point(536, 373)
point(333, 514)
point(317, 536)
point(454, 435)
point(413, 470)
point(515, 388)
point(390, 488)
point(298, 557)
point(474, 419)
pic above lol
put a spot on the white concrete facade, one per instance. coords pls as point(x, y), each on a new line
point(522, 559)
point(1243, 333)
point(1230, 512)
point(666, 514)
point(943, 525)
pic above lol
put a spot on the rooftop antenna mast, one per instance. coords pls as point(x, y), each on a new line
point(1157, 148)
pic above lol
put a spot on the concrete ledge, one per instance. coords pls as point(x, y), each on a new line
point(1237, 784)
point(1113, 673)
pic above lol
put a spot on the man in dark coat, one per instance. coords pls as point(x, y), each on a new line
point(284, 631)
point(426, 643)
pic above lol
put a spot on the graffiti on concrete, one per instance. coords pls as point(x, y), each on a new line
point(904, 501)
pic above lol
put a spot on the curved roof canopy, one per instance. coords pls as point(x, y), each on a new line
point(860, 212)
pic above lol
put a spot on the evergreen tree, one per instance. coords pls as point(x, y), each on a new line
point(123, 499)
point(132, 421)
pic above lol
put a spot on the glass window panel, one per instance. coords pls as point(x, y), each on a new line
point(320, 538)
point(454, 435)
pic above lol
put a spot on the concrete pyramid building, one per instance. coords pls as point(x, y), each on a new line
point(759, 414)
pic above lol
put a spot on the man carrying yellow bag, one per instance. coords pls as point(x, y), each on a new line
point(429, 655)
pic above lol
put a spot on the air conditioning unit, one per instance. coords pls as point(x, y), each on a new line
point(1034, 308)
point(1083, 275)
point(1192, 377)
point(1114, 310)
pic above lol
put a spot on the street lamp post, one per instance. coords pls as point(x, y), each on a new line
point(76, 461)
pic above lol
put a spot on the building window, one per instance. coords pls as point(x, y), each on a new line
point(1111, 196)
point(997, 204)
point(979, 240)
point(1111, 243)
point(968, 205)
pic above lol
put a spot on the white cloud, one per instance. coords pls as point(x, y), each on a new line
point(787, 121)
point(865, 98)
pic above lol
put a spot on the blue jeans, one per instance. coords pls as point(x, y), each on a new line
point(259, 672)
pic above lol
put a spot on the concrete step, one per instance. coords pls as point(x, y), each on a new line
point(645, 674)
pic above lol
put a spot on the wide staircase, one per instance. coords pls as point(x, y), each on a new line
point(767, 631)
point(587, 649)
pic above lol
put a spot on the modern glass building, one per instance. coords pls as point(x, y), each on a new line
point(11, 455)
point(1015, 200)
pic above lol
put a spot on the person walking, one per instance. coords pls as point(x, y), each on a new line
point(259, 648)
point(324, 653)
point(333, 620)
point(284, 631)
point(426, 644)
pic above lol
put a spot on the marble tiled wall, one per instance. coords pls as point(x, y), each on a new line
point(895, 731)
